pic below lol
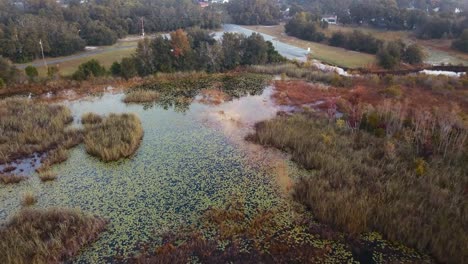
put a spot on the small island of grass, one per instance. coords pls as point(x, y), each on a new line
point(113, 137)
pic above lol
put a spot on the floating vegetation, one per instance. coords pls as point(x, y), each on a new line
point(282, 234)
point(47, 235)
point(141, 96)
point(113, 137)
point(178, 90)
point(362, 183)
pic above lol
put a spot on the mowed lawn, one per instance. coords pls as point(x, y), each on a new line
point(325, 53)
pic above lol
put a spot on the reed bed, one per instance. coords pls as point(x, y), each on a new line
point(28, 199)
point(11, 178)
point(47, 176)
point(361, 182)
point(141, 96)
point(47, 235)
point(27, 127)
point(115, 137)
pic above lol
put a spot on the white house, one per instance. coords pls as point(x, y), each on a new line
point(330, 19)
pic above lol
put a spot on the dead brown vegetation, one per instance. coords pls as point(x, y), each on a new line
point(47, 235)
point(113, 137)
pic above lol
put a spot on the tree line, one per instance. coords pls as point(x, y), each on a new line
point(65, 28)
point(254, 12)
point(194, 49)
point(310, 27)
point(428, 19)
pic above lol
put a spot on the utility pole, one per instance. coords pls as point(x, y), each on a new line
point(142, 27)
point(43, 58)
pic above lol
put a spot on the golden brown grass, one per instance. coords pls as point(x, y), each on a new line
point(11, 178)
point(359, 182)
point(28, 198)
point(141, 96)
point(27, 127)
point(47, 176)
point(47, 235)
point(115, 137)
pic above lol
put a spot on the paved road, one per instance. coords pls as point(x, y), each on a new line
point(289, 51)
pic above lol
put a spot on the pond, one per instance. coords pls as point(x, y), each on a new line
point(187, 162)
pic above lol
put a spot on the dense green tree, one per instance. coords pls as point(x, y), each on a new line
point(128, 68)
point(414, 54)
point(389, 55)
point(462, 43)
point(8, 72)
point(96, 33)
point(254, 12)
point(116, 69)
point(305, 26)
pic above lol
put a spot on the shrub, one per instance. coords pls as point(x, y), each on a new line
point(89, 69)
point(116, 137)
point(31, 72)
point(393, 91)
point(47, 235)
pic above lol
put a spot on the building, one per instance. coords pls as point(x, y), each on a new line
point(332, 19)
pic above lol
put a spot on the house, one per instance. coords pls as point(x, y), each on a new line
point(331, 19)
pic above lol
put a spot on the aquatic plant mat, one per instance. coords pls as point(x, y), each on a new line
point(113, 137)
point(179, 89)
point(181, 168)
point(47, 235)
point(360, 182)
point(28, 127)
point(282, 234)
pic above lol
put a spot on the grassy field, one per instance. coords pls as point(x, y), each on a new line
point(438, 50)
point(328, 54)
point(106, 57)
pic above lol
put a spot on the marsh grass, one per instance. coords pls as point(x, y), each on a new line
point(47, 176)
point(359, 182)
point(47, 235)
point(141, 96)
point(281, 234)
point(27, 127)
point(28, 198)
point(11, 178)
point(114, 137)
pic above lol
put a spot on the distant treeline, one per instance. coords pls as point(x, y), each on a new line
point(309, 27)
point(428, 19)
point(254, 12)
point(65, 28)
point(191, 50)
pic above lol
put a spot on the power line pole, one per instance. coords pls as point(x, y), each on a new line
point(142, 27)
point(43, 58)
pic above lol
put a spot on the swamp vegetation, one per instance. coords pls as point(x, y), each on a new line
point(47, 235)
point(113, 137)
point(364, 160)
